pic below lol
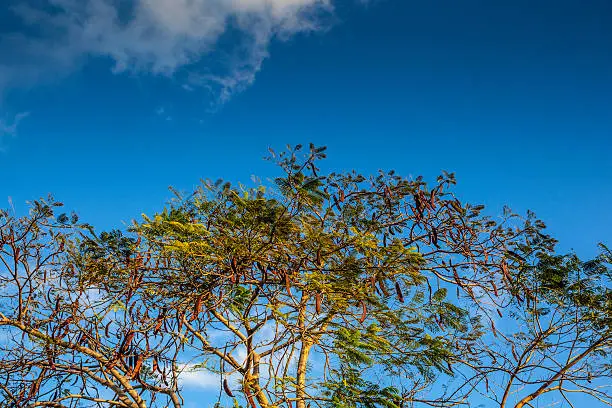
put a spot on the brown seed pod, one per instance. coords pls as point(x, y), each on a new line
point(157, 325)
point(197, 308)
point(423, 199)
point(417, 203)
point(383, 286)
point(137, 365)
point(388, 192)
point(493, 328)
point(34, 388)
point(504, 268)
point(364, 312)
point(226, 388)
point(155, 364)
point(288, 284)
point(456, 276)
point(180, 318)
point(494, 288)
point(126, 342)
point(514, 352)
point(318, 302)
point(234, 265)
point(434, 237)
point(398, 290)
point(341, 196)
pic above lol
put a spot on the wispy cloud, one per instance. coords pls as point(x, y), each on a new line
point(216, 44)
point(161, 111)
point(8, 128)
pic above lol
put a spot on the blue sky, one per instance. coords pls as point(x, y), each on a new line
point(514, 96)
point(106, 107)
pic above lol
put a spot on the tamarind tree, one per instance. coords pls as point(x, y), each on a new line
point(62, 343)
point(556, 335)
point(335, 290)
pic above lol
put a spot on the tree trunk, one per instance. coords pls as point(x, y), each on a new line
point(253, 382)
point(300, 386)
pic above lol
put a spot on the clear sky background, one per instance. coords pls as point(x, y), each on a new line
point(514, 96)
point(106, 106)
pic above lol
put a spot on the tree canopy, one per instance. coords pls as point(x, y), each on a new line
point(319, 289)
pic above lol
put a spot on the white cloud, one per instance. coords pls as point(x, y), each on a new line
point(216, 44)
point(199, 378)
